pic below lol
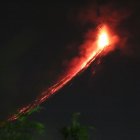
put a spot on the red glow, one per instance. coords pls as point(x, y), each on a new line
point(90, 50)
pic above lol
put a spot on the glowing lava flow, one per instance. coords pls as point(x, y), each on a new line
point(91, 49)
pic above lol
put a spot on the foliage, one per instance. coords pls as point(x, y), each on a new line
point(21, 129)
point(75, 131)
point(25, 129)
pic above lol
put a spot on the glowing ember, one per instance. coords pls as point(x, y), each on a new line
point(91, 49)
point(103, 38)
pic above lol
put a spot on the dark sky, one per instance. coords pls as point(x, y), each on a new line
point(36, 39)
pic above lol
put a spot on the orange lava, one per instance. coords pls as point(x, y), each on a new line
point(91, 49)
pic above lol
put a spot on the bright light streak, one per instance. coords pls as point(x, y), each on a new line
point(91, 51)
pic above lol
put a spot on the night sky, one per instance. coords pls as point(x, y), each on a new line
point(37, 40)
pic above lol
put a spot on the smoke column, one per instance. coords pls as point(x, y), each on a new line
point(91, 49)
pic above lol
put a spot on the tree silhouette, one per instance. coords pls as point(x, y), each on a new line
point(76, 131)
point(22, 128)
